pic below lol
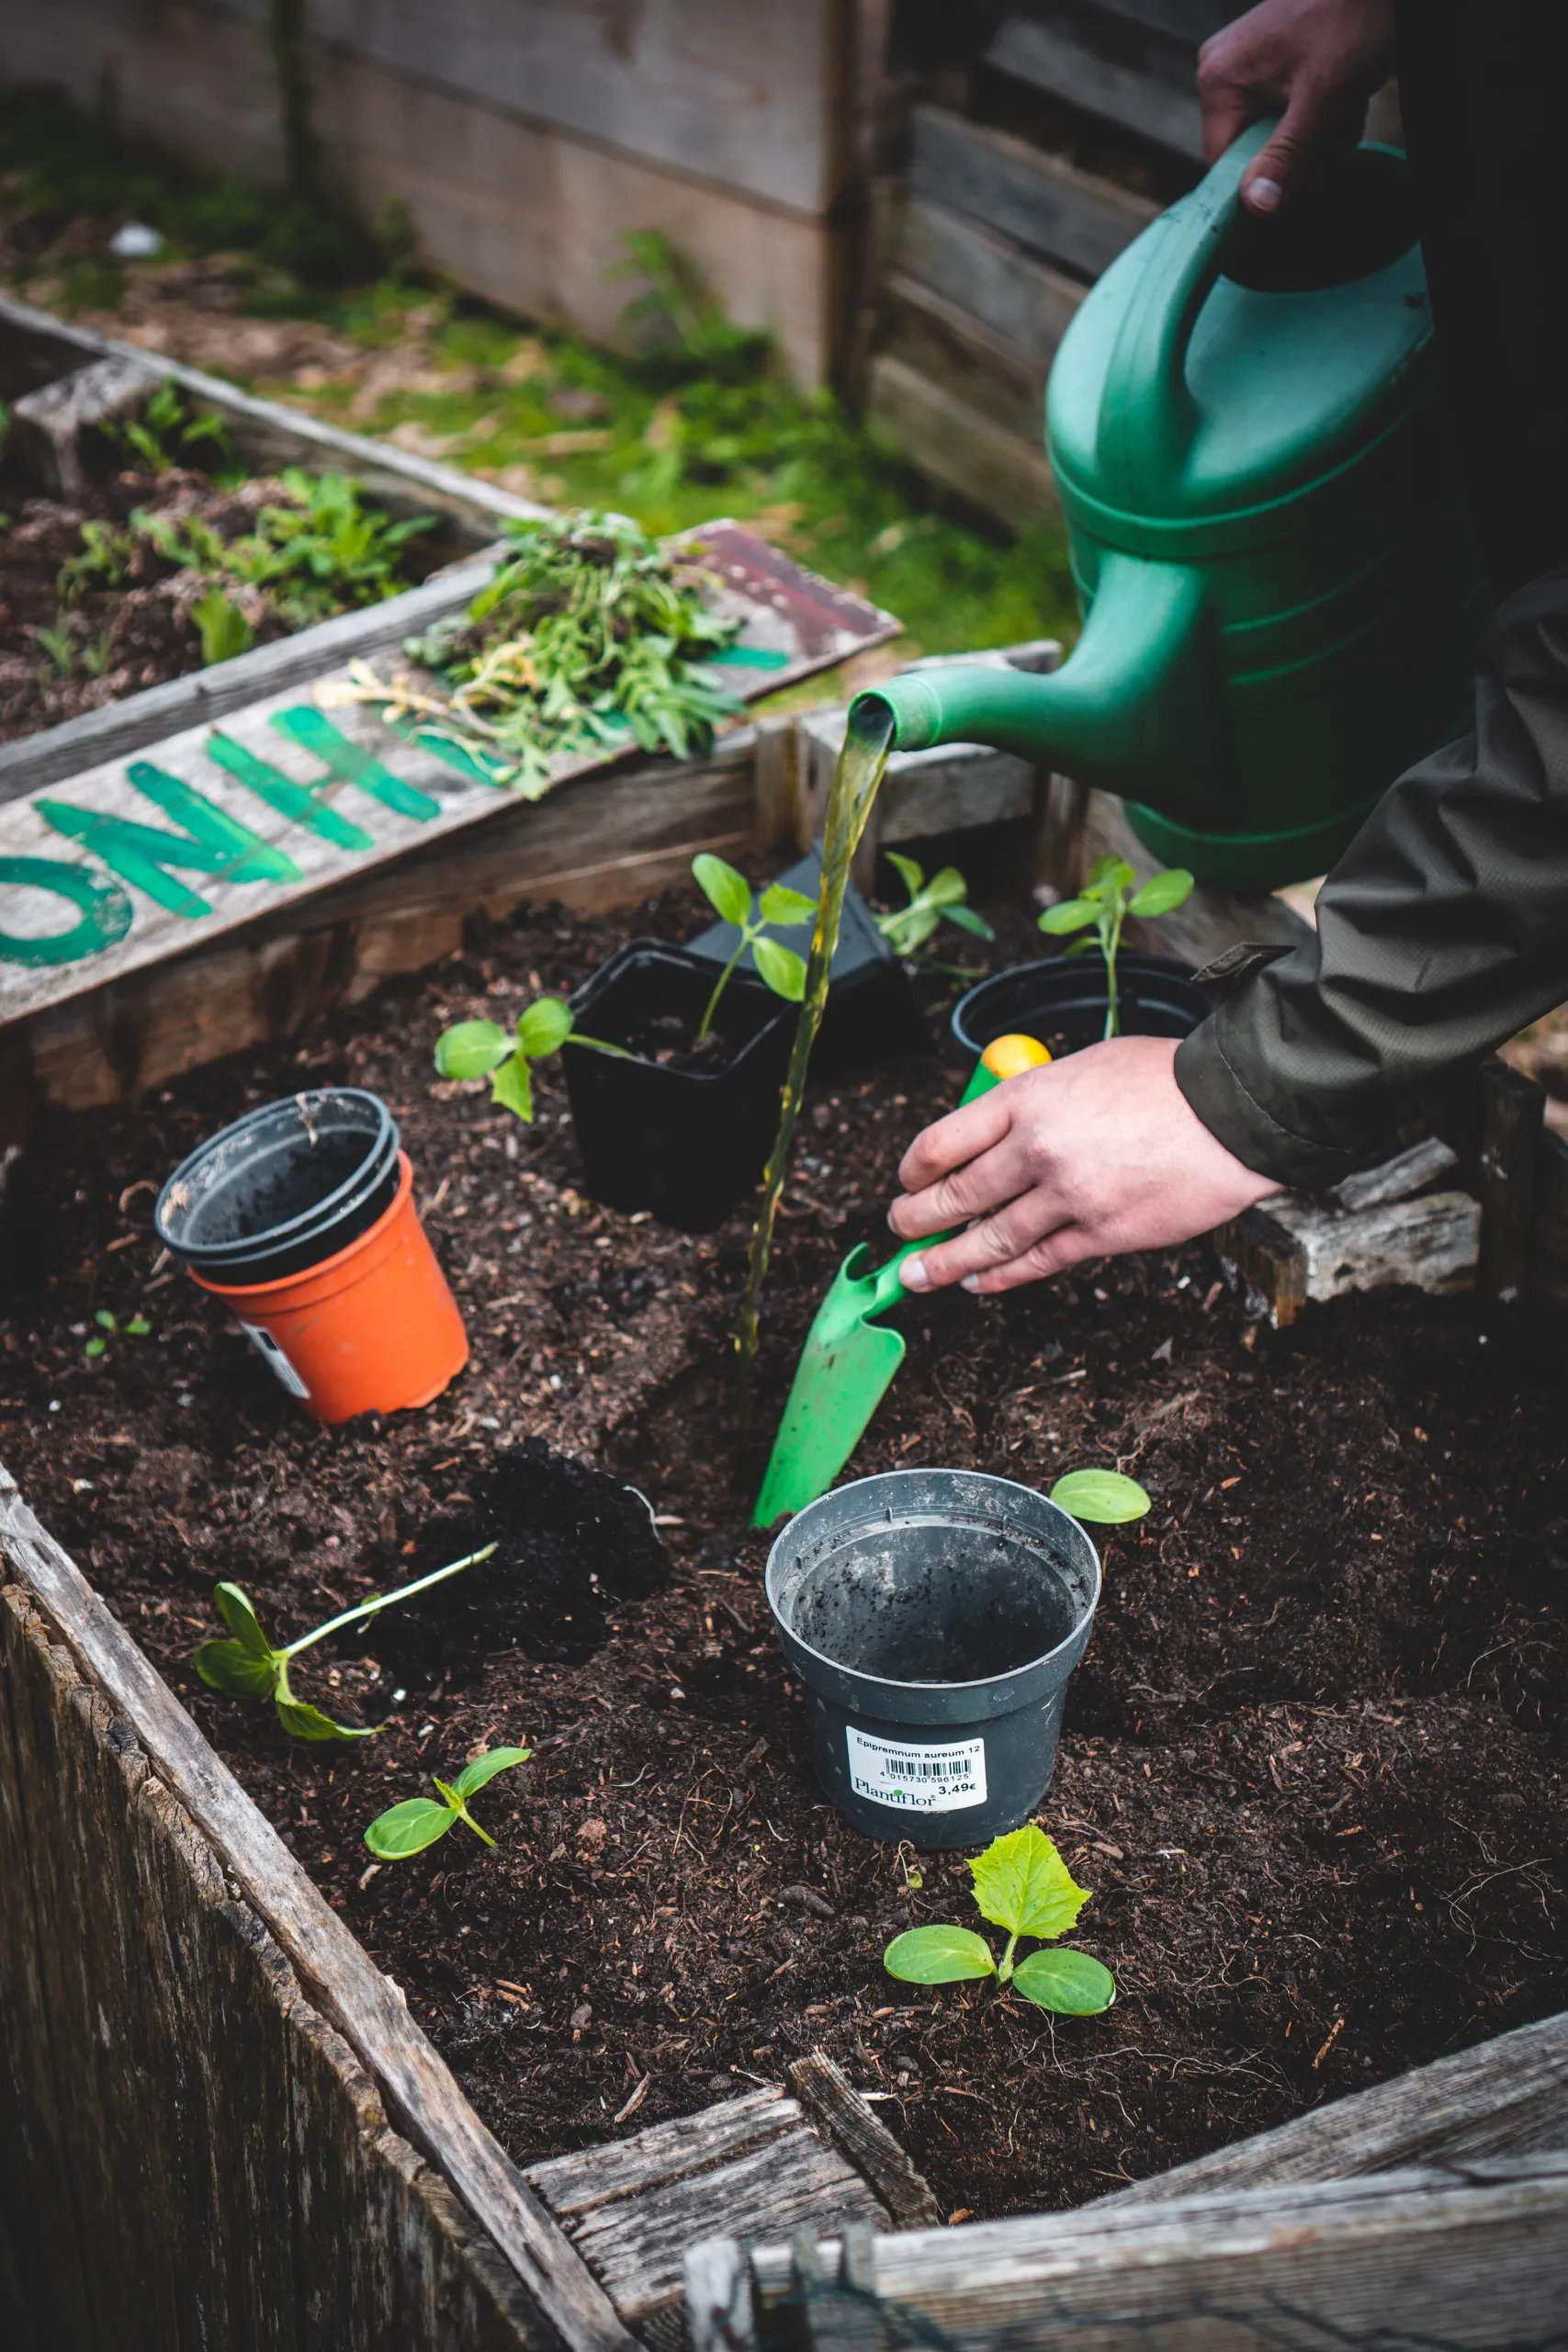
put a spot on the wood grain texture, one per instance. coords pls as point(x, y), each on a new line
point(344, 1986)
point(1023, 303)
point(1037, 199)
point(1470, 2257)
point(1432, 1243)
point(952, 442)
point(1131, 75)
point(950, 349)
point(857, 2132)
point(752, 2164)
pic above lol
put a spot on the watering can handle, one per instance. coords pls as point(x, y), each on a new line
point(1147, 416)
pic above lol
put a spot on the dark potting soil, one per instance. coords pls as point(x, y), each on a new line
point(1313, 1764)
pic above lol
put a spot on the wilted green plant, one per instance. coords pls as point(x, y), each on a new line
point(1102, 906)
point(1105, 1496)
point(418, 1822)
point(1022, 1885)
point(135, 1326)
point(222, 626)
point(941, 899)
point(165, 435)
point(248, 1666)
point(779, 909)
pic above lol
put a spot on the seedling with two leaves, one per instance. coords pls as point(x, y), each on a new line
point(943, 899)
point(248, 1665)
point(778, 908)
point(1022, 1885)
point(135, 1326)
point(1102, 906)
point(418, 1822)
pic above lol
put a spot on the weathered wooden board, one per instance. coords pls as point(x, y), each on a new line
point(295, 795)
point(1433, 1242)
point(337, 1975)
point(1025, 303)
point(951, 442)
point(949, 348)
point(189, 2154)
point(1126, 74)
point(1472, 2257)
point(1039, 201)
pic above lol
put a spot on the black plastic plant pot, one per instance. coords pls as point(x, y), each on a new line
point(282, 1189)
point(933, 1618)
point(872, 1013)
point(684, 1144)
point(1061, 1001)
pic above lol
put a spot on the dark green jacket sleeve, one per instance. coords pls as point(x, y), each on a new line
point(1442, 929)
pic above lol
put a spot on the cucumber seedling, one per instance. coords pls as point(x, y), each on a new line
point(778, 908)
point(1023, 1887)
point(418, 1822)
point(943, 899)
point(1102, 906)
point(248, 1666)
point(135, 1326)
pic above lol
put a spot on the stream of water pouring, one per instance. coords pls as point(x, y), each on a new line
point(867, 742)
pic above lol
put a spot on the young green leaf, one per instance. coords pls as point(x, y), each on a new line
point(1071, 1983)
point(409, 1828)
point(512, 1086)
point(105, 1320)
point(1162, 893)
point(301, 1721)
point(940, 1955)
point(1072, 914)
point(782, 969)
point(1103, 1495)
point(785, 907)
point(1021, 1884)
point(911, 875)
point(138, 1328)
point(472, 1048)
point(544, 1027)
point(967, 919)
point(233, 1668)
point(485, 1768)
point(947, 889)
point(233, 1605)
point(1111, 872)
point(727, 891)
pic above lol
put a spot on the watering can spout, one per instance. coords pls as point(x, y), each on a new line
point(1136, 699)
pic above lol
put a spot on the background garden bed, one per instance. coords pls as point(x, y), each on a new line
point(1312, 1763)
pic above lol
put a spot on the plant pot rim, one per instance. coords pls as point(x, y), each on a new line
point(1006, 1685)
point(326, 1269)
point(750, 990)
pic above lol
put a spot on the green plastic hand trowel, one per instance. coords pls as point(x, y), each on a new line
point(848, 1361)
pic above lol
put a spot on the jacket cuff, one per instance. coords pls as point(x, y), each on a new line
point(1215, 1091)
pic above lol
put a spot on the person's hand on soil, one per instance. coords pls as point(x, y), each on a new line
point(1316, 62)
point(1094, 1154)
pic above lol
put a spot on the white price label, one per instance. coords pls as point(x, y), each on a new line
point(267, 1346)
point(917, 1779)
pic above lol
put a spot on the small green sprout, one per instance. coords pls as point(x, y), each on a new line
point(135, 1326)
point(1022, 1885)
point(222, 626)
point(165, 433)
point(1102, 906)
point(248, 1666)
point(941, 899)
point(418, 1822)
point(1103, 1495)
point(778, 908)
point(484, 1049)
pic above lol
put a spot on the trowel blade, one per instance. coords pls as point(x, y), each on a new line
point(842, 1376)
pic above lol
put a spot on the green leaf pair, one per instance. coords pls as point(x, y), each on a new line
point(941, 899)
point(484, 1049)
point(135, 1326)
point(779, 909)
point(1022, 1885)
point(247, 1666)
point(418, 1822)
point(1106, 898)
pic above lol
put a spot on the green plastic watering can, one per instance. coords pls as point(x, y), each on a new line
point(1272, 553)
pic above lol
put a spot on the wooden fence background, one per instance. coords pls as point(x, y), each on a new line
point(528, 137)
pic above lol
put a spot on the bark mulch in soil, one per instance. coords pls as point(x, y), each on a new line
point(1313, 1764)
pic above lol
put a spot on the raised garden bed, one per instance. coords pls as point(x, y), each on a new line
point(1312, 1762)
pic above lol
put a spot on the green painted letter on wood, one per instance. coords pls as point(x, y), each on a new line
point(349, 763)
point(213, 842)
point(104, 911)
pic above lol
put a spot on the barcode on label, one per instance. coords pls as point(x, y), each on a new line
point(916, 1780)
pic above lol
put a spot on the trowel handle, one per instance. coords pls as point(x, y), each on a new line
point(888, 1290)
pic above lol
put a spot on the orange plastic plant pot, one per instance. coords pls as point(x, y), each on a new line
point(372, 1329)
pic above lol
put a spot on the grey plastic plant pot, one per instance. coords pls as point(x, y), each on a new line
point(933, 1618)
point(282, 1189)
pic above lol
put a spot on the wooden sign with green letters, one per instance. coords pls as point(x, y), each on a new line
point(129, 861)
